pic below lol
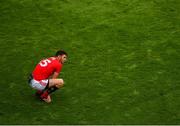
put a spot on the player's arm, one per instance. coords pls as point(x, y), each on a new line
point(55, 75)
point(57, 71)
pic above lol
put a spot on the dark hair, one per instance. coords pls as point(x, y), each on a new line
point(61, 52)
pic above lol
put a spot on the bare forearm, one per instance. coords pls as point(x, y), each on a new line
point(55, 75)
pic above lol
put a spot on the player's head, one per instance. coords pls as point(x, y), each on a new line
point(61, 55)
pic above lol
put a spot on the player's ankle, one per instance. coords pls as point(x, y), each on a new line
point(44, 95)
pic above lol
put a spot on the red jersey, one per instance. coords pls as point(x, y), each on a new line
point(46, 68)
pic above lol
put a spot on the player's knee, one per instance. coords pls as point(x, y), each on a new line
point(60, 83)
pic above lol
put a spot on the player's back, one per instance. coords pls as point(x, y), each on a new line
point(45, 68)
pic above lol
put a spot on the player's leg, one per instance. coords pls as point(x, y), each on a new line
point(41, 86)
point(54, 84)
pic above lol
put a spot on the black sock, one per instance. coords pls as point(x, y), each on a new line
point(51, 89)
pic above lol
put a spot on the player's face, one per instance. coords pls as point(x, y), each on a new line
point(63, 58)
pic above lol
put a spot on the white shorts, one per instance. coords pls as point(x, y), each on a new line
point(39, 85)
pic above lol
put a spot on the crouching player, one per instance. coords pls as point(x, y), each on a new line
point(44, 76)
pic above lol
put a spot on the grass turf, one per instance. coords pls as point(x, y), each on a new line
point(123, 63)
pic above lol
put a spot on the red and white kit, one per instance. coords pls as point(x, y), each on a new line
point(43, 71)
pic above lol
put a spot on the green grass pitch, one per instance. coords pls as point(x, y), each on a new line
point(123, 66)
